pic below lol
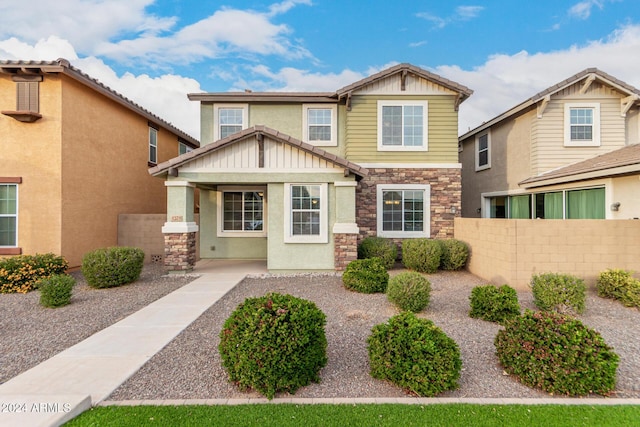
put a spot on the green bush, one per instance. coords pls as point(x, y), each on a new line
point(22, 273)
point(558, 292)
point(454, 254)
point(414, 354)
point(366, 275)
point(378, 247)
point(115, 266)
point(410, 291)
point(274, 343)
point(558, 354)
point(620, 285)
point(494, 304)
point(55, 291)
point(421, 255)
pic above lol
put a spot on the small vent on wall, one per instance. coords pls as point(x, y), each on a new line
point(156, 259)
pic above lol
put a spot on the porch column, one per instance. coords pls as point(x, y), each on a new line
point(180, 229)
point(345, 229)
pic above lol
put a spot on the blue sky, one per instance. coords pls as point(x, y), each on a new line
point(155, 52)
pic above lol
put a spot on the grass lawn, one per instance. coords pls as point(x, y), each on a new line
point(361, 415)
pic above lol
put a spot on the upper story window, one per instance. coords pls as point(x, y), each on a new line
point(306, 213)
point(153, 145)
point(28, 96)
point(403, 210)
point(402, 125)
point(183, 148)
point(581, 124)
point(483, 151)
point(230, 119)
point(319, 125)
point(8, 215)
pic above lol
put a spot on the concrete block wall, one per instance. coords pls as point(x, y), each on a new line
point(511, 251)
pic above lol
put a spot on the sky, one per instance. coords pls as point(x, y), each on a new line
point(154, 52)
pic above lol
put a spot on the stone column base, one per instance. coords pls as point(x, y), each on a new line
point(179, 252)
point(346, 249)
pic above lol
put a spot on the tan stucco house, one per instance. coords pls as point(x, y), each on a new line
point(569, 152)
point(297, 179)
point(73, 155)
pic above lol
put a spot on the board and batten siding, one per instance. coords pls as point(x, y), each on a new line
point(547, 136)
point(362, 134)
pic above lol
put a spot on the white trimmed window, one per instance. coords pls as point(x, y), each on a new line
point(153, 145)
point(319, 124)
point(306, 213)
point(8, 215)
point(582, 124)
point(241, 212)
point(403, 210)
point(183, 148)
point(230, 119)
point(483, 151)
point(402, 126)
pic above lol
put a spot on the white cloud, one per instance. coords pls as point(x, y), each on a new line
point(468, 12)
point(295, 80)
point(582, 10)
point(462, 13)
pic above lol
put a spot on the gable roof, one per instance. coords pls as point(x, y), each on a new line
point(63, 66)
point(332, 97)
point(618, 162)
point(588, 74)
point(256, 131)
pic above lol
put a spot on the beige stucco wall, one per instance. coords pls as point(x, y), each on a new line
point(32, 151)
point(511, 251)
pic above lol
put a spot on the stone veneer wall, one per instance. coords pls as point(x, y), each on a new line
point(446, 186)
point(346, 250)
point(179, 251)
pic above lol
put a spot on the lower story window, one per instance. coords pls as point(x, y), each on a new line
point(8, 215)
point(241, 212)
point(306, 220)
point(403, 210)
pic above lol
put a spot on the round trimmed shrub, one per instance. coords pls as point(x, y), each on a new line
point(410, 291)
point(366, 275)
point(414, 354)
point(494, 304)
point(274, 343)
point(115, 266)
point(558, 354)
point(421, 255)
point(558, 292)
point(55, 291)
point(21, 273)
point(454, 254)
point(620, 285)
point(378, 247)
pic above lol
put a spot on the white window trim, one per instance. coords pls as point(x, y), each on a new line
point(477, 151)
point(333, 142)
point(425, 126)
point(323, 237)
point(216, 117)
point(153, 130)
point(16, 215)
point(220, 212)
point(595, 142)
point(380, 188)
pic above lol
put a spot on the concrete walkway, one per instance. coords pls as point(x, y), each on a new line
point(69, 383)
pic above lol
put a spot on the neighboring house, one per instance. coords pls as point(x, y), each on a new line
point(570, 151)
point(297, 179)
point(73, 155)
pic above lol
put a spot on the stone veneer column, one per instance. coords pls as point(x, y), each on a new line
point(180, 229)
point(179, 251)
point(345, 230)
point(346, 250)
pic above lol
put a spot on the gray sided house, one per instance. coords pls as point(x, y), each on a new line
point(570, 152)
point(298, 179)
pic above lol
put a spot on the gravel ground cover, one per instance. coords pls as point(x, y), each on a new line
point(189, 367)
point(32, 334)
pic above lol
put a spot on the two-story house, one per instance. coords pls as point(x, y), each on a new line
point(571, 151)
point(297, 179)
point(73, 155)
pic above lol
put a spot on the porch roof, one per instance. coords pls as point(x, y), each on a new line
point(259, 131)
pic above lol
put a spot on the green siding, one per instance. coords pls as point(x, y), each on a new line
point(285, 118)
point(361, 135)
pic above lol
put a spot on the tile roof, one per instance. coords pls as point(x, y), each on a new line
point(62, 65)
point(164, 167)
point(600, 166)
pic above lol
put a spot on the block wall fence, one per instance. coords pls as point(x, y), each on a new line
point(512, 250)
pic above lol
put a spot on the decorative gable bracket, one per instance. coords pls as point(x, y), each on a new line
point(543, 105)
point(627, 103)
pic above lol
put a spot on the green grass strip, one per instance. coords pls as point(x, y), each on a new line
point(361, 415)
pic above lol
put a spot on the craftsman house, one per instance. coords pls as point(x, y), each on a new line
point(73, 155)
point(297, 178)
point(571, 151)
